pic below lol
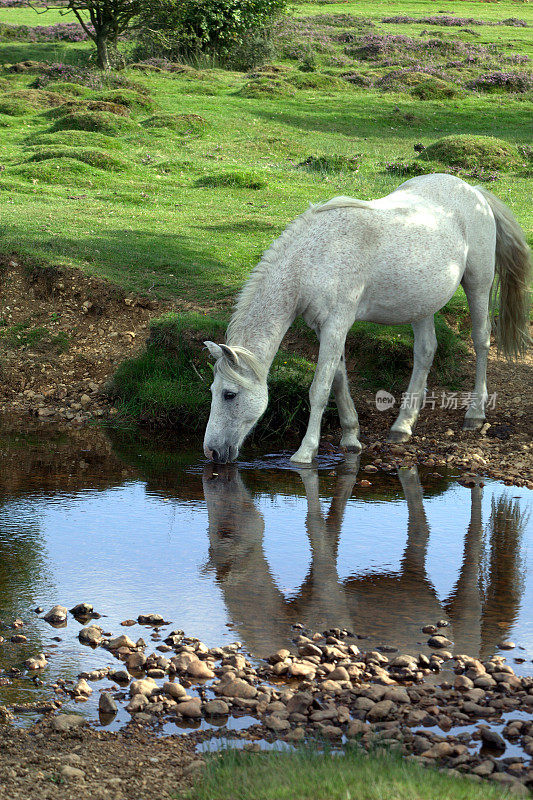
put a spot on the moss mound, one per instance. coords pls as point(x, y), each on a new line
point(266, 87)
point(15, 106)
point(432, 88)
point(77, 139)
point(28, 101)
point(6, 121)
point(234, 180)
point(88, 105)
point(96, 121)
point(318, 81)
point(183, 124)
point(67, 88)
point(469, 152)
point(63, 171)
point(127, 98)
point(332, 163)
point(92, 156)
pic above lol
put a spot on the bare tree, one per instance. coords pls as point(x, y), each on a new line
point(108, 19)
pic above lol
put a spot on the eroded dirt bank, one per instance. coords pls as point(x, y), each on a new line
point(63, 335)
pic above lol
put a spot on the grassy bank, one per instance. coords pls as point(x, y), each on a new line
point(170, 181)
point(309, 774)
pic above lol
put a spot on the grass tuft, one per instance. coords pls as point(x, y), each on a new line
point(75, 138)
point(234, 180)
point(332, 163)
point(312, 774)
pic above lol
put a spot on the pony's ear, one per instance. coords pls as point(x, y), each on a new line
point(229, 355)
point(214, 349)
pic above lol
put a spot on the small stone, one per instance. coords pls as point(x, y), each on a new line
point(69, 773)
point(275, 723)
point(107, 704)
point(56, 616)
point(121, 641)
point(39, 662)
point(507, 645)
point(382, 710)
point(83, 688)
point(199, 669)
point(67, 722)
point(439, 641)
point(439, 750)
point(492, 739)
point(236, 687)
point(91, 635)
point(216, 708)
point(175, 690)
point(144, 686)
point(190, 708)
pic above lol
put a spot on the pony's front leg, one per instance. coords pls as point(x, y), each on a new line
point(424, 352)
point(329, 355)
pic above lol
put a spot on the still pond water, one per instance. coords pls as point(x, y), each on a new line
point(242, 553)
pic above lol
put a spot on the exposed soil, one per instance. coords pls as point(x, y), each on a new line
point(59, 379)
point(85, 763)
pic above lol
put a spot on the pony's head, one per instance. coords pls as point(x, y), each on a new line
point(239, 398)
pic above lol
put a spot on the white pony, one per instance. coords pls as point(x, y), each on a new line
point(394, 260)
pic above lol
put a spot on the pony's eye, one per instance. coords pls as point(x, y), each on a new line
point(229, 395)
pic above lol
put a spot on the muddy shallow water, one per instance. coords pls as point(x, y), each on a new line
point(242, 553)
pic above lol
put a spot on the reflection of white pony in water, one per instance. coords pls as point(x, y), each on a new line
point(395, 260)
point(392, 606)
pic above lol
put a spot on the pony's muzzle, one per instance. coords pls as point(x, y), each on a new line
point(222, 454)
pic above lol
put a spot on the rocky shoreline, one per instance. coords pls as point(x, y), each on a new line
point(325, 688)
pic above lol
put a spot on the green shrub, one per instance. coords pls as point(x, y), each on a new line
point(234, 180)
point(183, 124)
point(92, 156)
point(235, 32)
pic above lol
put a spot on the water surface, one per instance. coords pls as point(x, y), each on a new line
point(243, 553)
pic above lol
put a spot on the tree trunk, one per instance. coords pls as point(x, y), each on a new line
point(102, 50)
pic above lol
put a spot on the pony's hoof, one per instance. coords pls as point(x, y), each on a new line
point(301, 459)
point(473, 424)
point(353, 447)
point(396, 437)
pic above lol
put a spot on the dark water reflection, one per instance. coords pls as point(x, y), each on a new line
point(244, 553)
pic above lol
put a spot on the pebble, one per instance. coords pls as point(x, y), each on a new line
point(91, 635)
point(69, 773)
point(439, 641)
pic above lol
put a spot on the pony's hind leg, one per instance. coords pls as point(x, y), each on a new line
point(424, 352)
point(347, 413)
point(478, 302)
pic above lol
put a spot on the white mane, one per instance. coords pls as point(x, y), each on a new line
point(252, 286)
point(244, 358)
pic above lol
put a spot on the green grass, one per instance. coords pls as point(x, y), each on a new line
point(311, 775)
point(211, 165)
